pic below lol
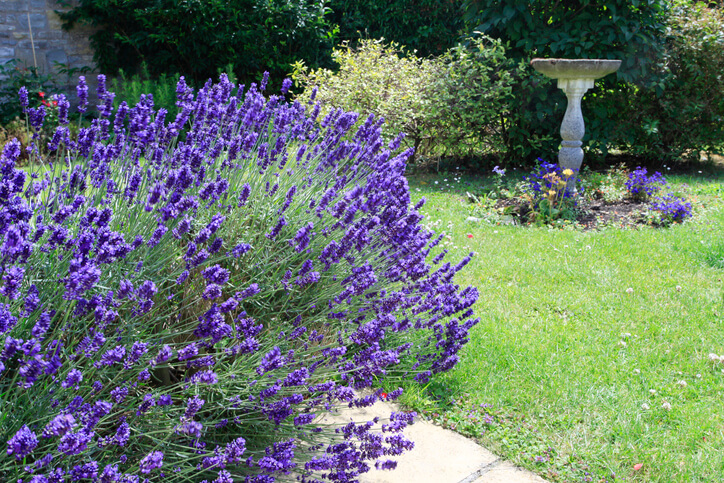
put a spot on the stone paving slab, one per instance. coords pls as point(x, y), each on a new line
point(439, 456)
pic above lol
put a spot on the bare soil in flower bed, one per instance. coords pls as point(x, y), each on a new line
point(592, 214)
point(624, 213)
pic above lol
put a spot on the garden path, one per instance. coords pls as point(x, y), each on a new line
point(440, 455)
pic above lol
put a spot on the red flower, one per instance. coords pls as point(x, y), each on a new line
point(383, 396)
point(470, 235)
point(41, 94)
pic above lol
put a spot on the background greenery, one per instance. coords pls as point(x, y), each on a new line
point(427, 27)
point(665, 104)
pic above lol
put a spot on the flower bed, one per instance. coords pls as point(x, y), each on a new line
point(181, 300)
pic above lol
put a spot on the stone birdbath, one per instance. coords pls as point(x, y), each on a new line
point(575, 77)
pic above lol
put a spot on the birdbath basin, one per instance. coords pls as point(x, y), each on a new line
point(575, 77)
point(575, 68)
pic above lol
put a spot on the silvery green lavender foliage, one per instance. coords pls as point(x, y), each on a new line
point(181, 300)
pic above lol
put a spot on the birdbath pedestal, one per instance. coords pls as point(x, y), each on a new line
point(575, 77)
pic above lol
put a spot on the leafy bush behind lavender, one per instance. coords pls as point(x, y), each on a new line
point(447, 105)
point(184, 310)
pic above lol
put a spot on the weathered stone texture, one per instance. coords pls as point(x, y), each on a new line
point(49, 41)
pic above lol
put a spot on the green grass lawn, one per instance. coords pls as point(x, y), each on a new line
point(591, 359)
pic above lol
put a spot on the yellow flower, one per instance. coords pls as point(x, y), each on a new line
point(551, 193)
point(568, 172)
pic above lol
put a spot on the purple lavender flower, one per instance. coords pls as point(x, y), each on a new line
point(113, 356)
point(286, 84)
point(205, 377)
point(188, 352)
point(11, 280)
point(216, 274)
point(23, 94)
point(123, 433)
point(63, 108)
point(101, 88)
point(41, 326)
point(240, 249)
point(22, 443)
point(7, 319)
point(182, 278)
point(151, 462)
point(250, 291)
point(85, 471)
point(36, 117)
point(234, 451)
point(212, 291)
point(73, 378)
point(156, 236)
point(82, 91)
point(271, 360)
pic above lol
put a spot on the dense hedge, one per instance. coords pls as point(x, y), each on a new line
point(248, 37)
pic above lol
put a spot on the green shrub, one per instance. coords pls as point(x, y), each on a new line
point(471, 96)
point(682, 115)
point(446, 105)
point(381, 79)
point(12, 78)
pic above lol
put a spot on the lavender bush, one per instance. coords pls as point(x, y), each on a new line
point(181, 300)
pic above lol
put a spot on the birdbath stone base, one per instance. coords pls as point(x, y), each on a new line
point(575, 77)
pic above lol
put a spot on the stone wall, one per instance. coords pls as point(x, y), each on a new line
point(48, 44)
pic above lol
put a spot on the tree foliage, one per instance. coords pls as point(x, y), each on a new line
point(428, 27)
point(629, 30)
point(683, 114)
point(197, 37)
